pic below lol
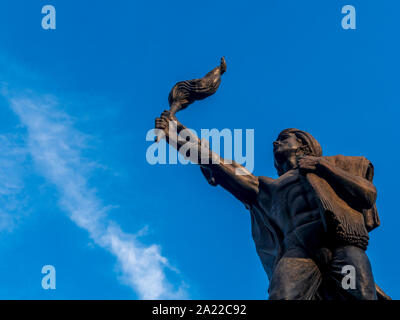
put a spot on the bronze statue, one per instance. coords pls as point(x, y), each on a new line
point(307, 224)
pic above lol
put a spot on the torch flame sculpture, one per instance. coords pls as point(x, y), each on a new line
point(186, 92)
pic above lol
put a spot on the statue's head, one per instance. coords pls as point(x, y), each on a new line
point(292, 143)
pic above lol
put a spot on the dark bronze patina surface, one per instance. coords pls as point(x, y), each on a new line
point(307, 224)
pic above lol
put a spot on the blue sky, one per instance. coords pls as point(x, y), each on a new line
point(76, 103)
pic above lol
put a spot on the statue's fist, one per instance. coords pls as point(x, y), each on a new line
point(161, 123)
point(166, 122)
point(308, 164)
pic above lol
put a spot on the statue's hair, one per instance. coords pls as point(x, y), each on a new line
point(310, 147)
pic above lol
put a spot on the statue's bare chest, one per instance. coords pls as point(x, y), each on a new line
point(284, 200)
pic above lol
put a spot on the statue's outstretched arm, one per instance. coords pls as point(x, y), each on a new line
point(230, 175)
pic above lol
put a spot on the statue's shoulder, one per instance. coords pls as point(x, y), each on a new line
point(358, 165)
point(341, 159)
point(265, 181)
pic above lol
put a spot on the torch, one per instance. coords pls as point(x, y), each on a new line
point(186, 92)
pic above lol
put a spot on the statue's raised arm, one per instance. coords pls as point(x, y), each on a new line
point(229, 174)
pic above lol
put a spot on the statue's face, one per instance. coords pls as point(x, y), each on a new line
point(286, 147)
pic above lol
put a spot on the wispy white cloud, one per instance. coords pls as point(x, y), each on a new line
point(56, 148)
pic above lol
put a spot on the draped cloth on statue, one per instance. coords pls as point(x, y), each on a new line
point(346, 222)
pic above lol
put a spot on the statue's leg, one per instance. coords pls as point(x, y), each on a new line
point(296, 277)
point(364, 281)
